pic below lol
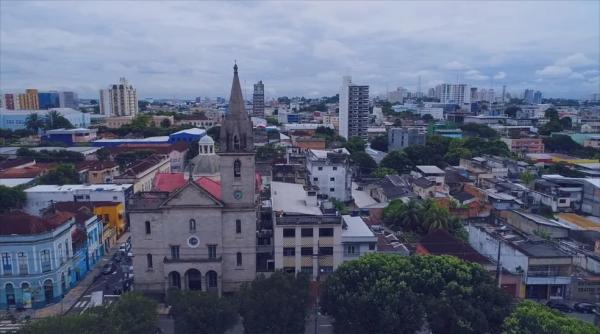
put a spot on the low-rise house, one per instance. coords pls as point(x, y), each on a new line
point(96, 172)
point(175, 152)
point(545, 270)
point(357, 238)
point(524, 144)
point(196, 120)
point(70, 136)
point(481, 168)
point(329, 170)
point(560, 194)
point(391, 187)
point(433, 174)
point(142, 173)
point(289, 173)
point(37, 258)
point(307, 233)
point(304, 142)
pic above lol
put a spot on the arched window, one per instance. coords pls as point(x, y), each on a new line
point(192, 225)
point(239, 259)
point(237, 168)
point(149, 260)
point(148, 230)
point(10, 294)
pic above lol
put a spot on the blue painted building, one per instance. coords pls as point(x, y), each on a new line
point(36, 258)
point(48, 100)
point(15, 119)
point(188, 136)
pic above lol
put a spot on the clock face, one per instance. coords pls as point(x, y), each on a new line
point(237, 194)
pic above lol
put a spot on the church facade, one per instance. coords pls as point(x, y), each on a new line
point(202, 235)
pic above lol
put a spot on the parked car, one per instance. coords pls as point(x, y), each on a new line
point(108, 268)
point(559, 305)
point(584, 307)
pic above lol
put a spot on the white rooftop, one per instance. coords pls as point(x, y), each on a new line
point(10, 150)
point(13, 182)
point(356, 228)
point(322, 154)
point(291, 198)
point(138, 140)
point(75, 187)
point(361, 198)
point(76, 130)
point(192, 131)
point(206, 140)
point(430, 169)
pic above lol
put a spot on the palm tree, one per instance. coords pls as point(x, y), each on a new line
point(33, 122)
point(436, 218)
point(411, 217)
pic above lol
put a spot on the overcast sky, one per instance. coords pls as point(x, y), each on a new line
point(187, 49)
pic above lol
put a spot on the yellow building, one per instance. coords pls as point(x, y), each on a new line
point(29, 100)
point(113, 213)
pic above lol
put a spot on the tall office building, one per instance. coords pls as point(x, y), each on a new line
point(10, 101)
point(29, 100)
point(532, 97)
point(397, 95)
point(258, 100)
point(48, 100)
point(537, 97)
point(354, 109)
point(68, 100)
point(503, 93)
point(458, 94)
point(119, 100)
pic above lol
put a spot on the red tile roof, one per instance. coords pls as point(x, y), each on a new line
point(18, 222)
point(27, 172)
point(440, 242)
point(94, 165)
point(172, 181)
point(9, 163)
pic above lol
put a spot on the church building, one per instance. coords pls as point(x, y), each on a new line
point(201, 234)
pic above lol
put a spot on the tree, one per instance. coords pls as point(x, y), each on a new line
point(140, 121)
point(383, 172)
point(132, 314)
point(551, 114)
point(511, 111)
point(324, 131)
point(214, 133)
point(275, 305)
point(55, 120)
point(63, 174)
point(165, 123)
point(398, 161)
point(34, 123)
point(103, 154)
point(478, 130)
point(270, 152)
point(527, 178)
point(389, 293)
point(533, 318)
point(273, 121)
point(11, 198)
point(51, 156)
point(202, 313)
point(380, 143)
point(427, 118)
point(366, 164)
point(566, 123)
point(355, 144)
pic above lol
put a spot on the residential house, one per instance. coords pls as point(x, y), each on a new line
point(357, 238)
point(329, 170)
point(97, 172)
point(142, 173)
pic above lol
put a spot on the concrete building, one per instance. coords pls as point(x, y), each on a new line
point(357, 238)
point(141, 173)
point(37, 258)
point(397, 96)
point(307, 235)
point(68, 100)
point(70, 136)
point(29, 100)
point(399, 138)
point(329, 170)
point(258, 100)
point(202, 235)
point(458, 94)
point(15, 119)
point(40, 197)
point(119, 99)
point(48, 100)
point(10, 101)
point(525, 144)
point(354, 109)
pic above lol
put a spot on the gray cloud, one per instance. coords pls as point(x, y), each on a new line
point(186, 49)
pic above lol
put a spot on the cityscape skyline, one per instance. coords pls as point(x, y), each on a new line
point(300, 49)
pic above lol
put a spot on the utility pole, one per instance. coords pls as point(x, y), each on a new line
point(498, 266)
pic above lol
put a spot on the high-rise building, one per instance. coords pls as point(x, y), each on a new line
point(354, 109)
point(10, 101)
point(474, 94)
point(68, 100)
point(458, 94)
point(400, 138)
point(258, 100)
point(119, 100)
point(29, 100)
point(537, 97)
point(48, 100)
point(431, 93)
point(397, 95)
point(503, 93)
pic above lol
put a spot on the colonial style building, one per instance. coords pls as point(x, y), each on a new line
point(202, 235)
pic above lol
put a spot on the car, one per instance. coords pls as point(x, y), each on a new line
point(584, 308)
point(559, 305)
point(108, 268)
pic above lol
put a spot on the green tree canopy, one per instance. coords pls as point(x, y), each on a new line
point(478, 130)
point(533, 318)
point(55, 120)
point(398, 161)
point(511, 111)
point(64, 156)
point(34, 122)
point(380, 143)
point(275, 305)
point(365, 163)
point(62, 174)
point(202, 312)
point(385, 293)
point(11, 198)
point(355, 144)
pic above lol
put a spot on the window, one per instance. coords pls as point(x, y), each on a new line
point(192, 225)
point(289, 270)
point(148, 230)
point(334, 168)
point(238, 226)
point(320, 168)
point(307, 270)
point(289, 232)
point(67, 248)
point(331, 189)
point(175, 252)
point(325, 250)
point(306, 232)
point(212, 251)
point(315, 179)
point(326, 269)
point(45, 259)
point(149, 261)
point(238, 259)
point(326, 232)
point(372, 246)
point(306, 251)
point(289, 251)
point(237, 168)
point(332, 179)
point(22, 260)
point(350, 249)
point(60, 254)
point(6, 264)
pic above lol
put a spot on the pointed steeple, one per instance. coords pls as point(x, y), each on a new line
point(236, 100)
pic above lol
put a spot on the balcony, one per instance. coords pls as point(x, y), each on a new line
point(351, 254)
